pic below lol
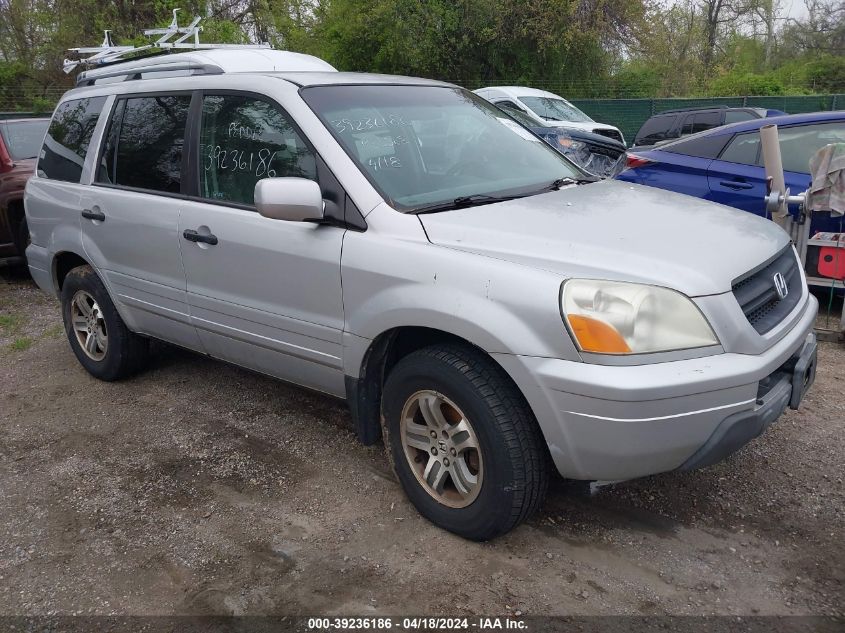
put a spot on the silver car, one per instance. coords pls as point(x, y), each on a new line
point(484, 308)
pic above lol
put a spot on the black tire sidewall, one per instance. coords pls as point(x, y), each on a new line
point(112, 365)
point(490, 513)
point(21, 237)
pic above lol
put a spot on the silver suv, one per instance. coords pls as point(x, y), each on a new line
point(483, 307)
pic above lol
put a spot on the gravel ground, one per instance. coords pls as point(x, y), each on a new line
point(200, 488)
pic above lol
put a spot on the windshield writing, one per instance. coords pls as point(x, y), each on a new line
point(423, 145)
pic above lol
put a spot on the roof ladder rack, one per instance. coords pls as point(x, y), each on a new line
point(108, 53)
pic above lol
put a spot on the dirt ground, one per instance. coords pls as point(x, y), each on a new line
point(199, 488)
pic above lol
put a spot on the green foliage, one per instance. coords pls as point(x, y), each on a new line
point(582, 48)
point(745, 83)
point(635, 80)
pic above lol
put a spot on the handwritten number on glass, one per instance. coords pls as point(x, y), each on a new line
point(257, 163)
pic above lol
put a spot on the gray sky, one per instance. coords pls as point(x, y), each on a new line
point(795, 8)
point(791, 8)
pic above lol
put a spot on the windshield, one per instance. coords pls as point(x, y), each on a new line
point(424, 145)
point(555, 109)
point(23, 138)
point(523, 118)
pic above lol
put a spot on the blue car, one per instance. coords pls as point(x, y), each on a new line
point(725, 164)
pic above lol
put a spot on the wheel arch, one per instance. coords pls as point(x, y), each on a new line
point(364, 392)
point(63, 263)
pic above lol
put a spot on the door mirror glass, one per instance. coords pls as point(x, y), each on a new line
point(291, 199)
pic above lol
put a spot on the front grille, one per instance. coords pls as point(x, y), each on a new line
point(757, 293)
point(616, 136)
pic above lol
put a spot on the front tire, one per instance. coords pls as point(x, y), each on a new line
point(102, 343)
point(464, 443)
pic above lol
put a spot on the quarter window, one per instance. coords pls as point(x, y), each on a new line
point(68, 137)
point(242, 140)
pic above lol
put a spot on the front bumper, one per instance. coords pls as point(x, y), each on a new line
point(613, 423)
point(784, 388)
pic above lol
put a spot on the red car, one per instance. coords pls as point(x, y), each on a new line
point(20, 142)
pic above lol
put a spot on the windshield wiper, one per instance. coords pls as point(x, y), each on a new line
point(477, 199)
point(562, 182)
point(462, 202)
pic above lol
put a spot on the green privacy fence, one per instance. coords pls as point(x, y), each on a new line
point(629, 114)
point(626, 114)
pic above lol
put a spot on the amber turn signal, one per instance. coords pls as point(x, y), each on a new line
point(596, 336)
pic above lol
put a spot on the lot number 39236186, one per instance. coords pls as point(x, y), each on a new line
point(238, 160)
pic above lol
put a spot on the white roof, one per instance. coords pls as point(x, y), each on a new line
point(213, 60)
point(516, 92)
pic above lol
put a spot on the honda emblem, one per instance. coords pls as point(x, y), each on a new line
point(780, 286)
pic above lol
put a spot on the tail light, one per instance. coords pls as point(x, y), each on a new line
point(6, 162)
point(632, 161)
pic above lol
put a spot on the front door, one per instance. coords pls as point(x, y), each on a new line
point(265, 294)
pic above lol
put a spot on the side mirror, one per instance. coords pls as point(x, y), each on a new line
point(291, 199)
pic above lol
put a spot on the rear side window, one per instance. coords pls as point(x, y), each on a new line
point(743, 149)
point(708, 146)
point(145, 142)
point(68, 137)
point(735, 116)
point(702, 121)
point(244, 139)
point(654, 130)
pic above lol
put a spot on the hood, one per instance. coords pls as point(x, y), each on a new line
point(619, 231)
point(587, 126)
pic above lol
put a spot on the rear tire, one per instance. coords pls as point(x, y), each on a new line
point(103, 344)
point(21, 238)
point(464, 443)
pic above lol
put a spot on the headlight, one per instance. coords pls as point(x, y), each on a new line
point(568, 144)
point(609, 317)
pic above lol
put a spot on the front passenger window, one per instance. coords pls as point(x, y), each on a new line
point(243, 140)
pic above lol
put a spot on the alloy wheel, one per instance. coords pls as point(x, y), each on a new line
point(88, 324)
point(442, 448)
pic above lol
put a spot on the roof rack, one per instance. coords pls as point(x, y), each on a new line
point(108, 53)
point(701, 107)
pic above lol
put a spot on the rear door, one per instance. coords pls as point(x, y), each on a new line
point(130, 218)
point(736, 178)
point(265, 294)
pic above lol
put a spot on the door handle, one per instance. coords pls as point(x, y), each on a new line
point(193, 236)
point(736, 184)
point(90, 214)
